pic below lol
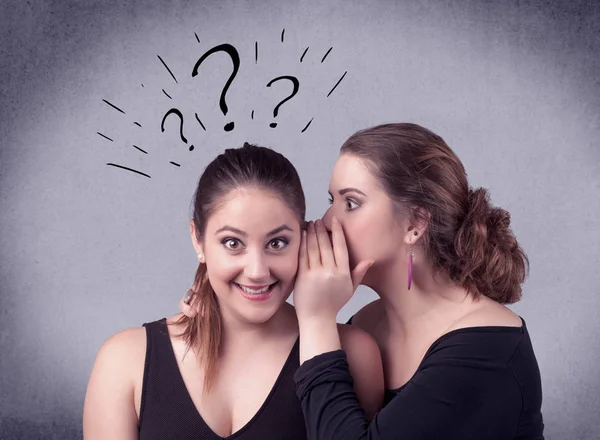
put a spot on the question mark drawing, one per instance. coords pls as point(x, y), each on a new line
point(296, 84)
point(235, 58)
point(178, 113)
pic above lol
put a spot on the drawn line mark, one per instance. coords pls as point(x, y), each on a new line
point(166, 94)
point(135, 146)
point(307, 125)
point(302, 57)
point(174, 163)
point(336, 84)
point(198, 119)
point(167, 67)
point(128, 169)
point(106, 137)
point(197, 39)
point(326, 54)
point(113, 106)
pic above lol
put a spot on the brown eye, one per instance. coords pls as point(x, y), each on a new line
point(231, 243)
point(278, 244)
point(351, 205)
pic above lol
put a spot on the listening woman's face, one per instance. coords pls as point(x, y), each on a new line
point(251, 248)
point(372, 226)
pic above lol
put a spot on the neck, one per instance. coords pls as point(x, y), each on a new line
point(240, 333)
point(432, 304)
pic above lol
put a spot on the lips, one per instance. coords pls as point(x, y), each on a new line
point(256, 292)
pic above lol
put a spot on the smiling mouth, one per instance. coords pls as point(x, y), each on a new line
point(257, 291)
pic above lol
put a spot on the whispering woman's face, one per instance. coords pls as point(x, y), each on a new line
point(372, 226)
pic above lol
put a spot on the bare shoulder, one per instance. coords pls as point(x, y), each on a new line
point(124, 346)
point(368, 316)
point(109, 409)
point(489, 313)
point(366, 367)
point(120, 359)
point(351, 335)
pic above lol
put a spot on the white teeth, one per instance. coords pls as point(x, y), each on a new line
point(255, 292)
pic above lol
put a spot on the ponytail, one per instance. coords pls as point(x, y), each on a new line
point(203, 331)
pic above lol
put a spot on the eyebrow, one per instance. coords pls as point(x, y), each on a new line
point(240, 232)
point(347, 190)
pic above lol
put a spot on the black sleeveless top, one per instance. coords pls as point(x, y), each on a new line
point(168, 412)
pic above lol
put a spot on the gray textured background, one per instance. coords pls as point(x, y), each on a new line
point(89, 249)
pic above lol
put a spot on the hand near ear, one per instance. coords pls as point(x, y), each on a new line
point(325, 283)
point(185, 307)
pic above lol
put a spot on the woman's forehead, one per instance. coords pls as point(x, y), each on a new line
point(352, 172)
point(253, 211)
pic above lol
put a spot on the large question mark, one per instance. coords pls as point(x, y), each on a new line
point(296, 83)
point(178, 113)
point(235, 57)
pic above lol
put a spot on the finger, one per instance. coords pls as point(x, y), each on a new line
point(186, 309)
point(327, 258)
point(312, 245)
point(340, 250)
point(303, 254)
point(359, 272)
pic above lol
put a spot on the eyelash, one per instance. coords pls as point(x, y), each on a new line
point(347, 200)
point(228, 239)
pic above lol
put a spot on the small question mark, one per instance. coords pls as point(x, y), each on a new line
point(178, 113)
point(235, 58)
point(296, 84)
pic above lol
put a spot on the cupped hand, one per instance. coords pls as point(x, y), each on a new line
point(325, 283)
point(186, 309)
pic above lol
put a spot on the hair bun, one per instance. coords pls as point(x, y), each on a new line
point(491, 261)
point(478, 204)
point(494, 221)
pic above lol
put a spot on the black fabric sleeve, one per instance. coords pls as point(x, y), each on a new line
point(444, 400)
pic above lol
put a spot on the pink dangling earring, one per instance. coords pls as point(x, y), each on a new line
point(410, 262)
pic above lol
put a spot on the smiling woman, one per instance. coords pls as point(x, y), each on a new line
point(224, 368)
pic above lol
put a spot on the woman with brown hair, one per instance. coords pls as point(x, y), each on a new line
point(226, 370)
point(457, 363)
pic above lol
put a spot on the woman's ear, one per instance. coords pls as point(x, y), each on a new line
point(197, 245)
point(417, 226)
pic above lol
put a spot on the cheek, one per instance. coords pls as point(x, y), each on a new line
point(285, 267)
point(222, 268)
point(367, 237)
point(357, 231)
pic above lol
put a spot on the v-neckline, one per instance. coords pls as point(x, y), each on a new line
point(261, 409)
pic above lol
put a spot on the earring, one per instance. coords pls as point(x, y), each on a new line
point(410, 264)
point(200, 256)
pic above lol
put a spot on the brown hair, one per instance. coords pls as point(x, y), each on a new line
point(249, 166)
point(465, 236)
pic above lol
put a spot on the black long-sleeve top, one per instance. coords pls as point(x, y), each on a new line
point(473, 383)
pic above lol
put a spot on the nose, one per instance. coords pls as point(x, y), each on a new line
point(257, 267)
point(327, 218)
